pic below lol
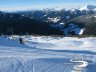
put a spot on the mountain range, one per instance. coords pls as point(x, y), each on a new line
point(57, 16)
point(51, 21)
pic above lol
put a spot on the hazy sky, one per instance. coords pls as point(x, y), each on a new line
point(25, 4)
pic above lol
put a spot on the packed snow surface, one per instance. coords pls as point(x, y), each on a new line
point(47, 54)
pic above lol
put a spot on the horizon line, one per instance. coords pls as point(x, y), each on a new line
point(42, 7)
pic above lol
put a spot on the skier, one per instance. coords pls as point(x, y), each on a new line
point(21, 40)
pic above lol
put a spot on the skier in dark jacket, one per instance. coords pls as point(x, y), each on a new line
point(21, 40)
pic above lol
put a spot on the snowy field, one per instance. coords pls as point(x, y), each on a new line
point(48, 54)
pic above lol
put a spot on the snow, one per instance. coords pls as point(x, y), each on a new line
point(88, 7)
point(84, 63)
point(55, 20)
point(79, 67)
point(73, 28)
point(9, 43)
point(47, 54)
point(81, 31)
point(62, 23)
point(66, 43)
point(94, 16)
point(44, 15)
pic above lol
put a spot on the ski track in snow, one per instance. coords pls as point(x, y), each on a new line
point(47, 54)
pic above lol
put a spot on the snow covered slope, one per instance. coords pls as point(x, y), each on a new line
point(6, 42)
point(15, 57)
point(62, 43)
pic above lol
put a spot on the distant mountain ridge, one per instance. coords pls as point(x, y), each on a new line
point(52, 21)
point(56, 16)
point(88, 7)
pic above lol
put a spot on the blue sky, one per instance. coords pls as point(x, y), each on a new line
point(24, 4)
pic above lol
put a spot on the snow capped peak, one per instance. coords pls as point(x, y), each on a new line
point(88, 7)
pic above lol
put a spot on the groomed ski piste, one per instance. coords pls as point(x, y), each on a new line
point(47, 54)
